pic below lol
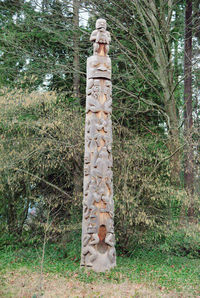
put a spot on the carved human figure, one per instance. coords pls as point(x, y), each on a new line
point(102, 165)
point(93, 135)
point(100, 35)
point(91, 196)
point(89, 240)
point(102, 172)
point(102, 162)
point(93, 104)
point(93, 93)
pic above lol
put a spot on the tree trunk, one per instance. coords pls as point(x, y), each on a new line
point(174, 141)
point(12, 219)
point(188, 121)
point(76, 62)
point(76, 88)
point(157, 31)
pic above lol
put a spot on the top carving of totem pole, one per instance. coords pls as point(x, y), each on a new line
point(98, 240)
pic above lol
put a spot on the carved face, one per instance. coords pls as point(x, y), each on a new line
point(100, 23)
point(99, 67)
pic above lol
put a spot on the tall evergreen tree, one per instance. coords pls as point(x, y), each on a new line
point(39, 45)
point(76, 62)
point(188, 118)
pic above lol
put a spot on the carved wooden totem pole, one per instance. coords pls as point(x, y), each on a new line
point(98, 240)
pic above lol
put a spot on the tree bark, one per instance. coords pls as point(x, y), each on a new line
point(76, 62)
point(188, 119)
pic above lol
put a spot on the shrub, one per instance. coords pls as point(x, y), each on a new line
point(182, 240)
point(41, 147)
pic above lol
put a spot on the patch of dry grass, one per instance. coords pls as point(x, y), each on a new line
point(23, 283)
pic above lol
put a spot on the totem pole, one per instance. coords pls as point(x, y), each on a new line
point(98, 240)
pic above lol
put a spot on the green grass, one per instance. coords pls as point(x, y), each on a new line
point(150, 267)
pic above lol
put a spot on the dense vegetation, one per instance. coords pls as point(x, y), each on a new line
point(43, 51)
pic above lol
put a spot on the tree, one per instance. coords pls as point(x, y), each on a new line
point(76, 62)
point(188, 118)
point(144, 37)
point(39, 46)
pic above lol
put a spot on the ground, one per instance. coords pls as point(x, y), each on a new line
point(24, 283)
point(144, 274)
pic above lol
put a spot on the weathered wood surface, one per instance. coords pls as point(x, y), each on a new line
point(98, 240)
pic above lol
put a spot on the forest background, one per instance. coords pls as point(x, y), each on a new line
point(156, 123)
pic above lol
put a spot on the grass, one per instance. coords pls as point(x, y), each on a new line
point(149, 269)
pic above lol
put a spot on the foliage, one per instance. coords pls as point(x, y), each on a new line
point(41, 142)
point(37, 45)
point(182, 240)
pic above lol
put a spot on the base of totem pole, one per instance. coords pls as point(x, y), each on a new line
point(101, 263)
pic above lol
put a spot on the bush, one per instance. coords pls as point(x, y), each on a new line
point(41, 148)
point(183, 240)
point(143, 194)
